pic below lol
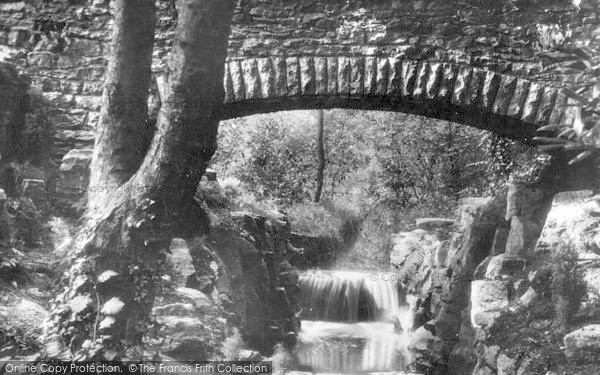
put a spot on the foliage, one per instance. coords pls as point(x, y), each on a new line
point(583, 104)
point(426, 160)
point(272, 163)
point(281, 360)
point(400, 159)
point(568, 285)
point(232, 346)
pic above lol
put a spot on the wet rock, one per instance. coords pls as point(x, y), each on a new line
point(583, 342)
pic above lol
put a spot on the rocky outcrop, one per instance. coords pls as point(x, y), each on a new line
point(517, 297)
point(236, 276)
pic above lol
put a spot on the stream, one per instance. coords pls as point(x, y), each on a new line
point(353, 322)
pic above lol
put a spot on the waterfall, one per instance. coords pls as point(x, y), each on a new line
point(346, 296)
point(353, 322)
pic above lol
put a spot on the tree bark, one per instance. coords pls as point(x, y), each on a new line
point(123, 123)
point(320, 156)
point(119, 254)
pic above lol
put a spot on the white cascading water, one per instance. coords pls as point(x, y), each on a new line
point(351, 322)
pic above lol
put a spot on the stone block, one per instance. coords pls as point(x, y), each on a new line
point(488, 296)
point(502, 266)
point(585, 340)
point(521, 236)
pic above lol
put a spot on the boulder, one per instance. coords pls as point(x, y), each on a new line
point(582, 342)
point(488, 296)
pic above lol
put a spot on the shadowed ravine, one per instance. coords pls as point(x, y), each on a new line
point(352, 322)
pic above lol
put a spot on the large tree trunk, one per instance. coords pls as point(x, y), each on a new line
point(320, 156)
point(123, 124)
point(109, 291)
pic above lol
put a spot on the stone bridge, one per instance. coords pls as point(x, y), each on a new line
point(504, 103)
point(475, 62)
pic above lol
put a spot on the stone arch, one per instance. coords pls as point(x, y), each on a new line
point(506, 104)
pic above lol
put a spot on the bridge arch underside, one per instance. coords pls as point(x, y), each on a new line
point(508, 105)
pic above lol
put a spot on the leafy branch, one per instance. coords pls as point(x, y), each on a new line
point(583, 135)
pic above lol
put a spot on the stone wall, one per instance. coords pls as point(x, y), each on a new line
point(62, 45)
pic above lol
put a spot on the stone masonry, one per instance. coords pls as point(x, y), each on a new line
point(438, 58)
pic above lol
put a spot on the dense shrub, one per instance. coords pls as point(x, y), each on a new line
point(568, 285)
